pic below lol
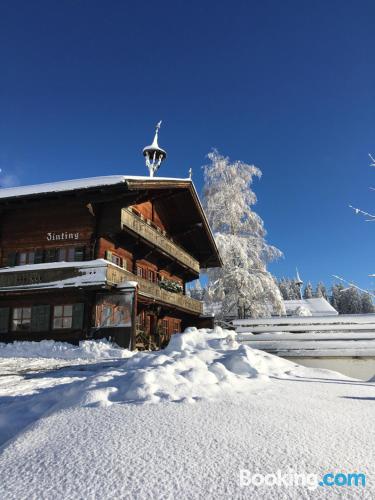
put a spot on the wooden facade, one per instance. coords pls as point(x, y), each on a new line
point(110, 258)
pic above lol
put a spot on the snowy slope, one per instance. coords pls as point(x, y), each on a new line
point(179, 423)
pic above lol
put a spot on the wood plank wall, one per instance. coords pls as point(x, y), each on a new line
point(27, 229)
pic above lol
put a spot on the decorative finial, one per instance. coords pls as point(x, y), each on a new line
point(190, 173)
point(298, 278)
point(154, 154)
point(299, 283)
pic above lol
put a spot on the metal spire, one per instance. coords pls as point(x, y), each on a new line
point(154, 154)
point(298, 278)
point(299, 283)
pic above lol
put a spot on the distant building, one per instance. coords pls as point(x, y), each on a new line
point(309, 307)
point(299, 307)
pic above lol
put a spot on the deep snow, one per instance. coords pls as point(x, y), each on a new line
point(176, 423)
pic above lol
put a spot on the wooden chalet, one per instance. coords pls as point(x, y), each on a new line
point(102, 257)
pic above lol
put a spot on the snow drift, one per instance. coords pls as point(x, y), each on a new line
point(198, 365)
point(87, 350)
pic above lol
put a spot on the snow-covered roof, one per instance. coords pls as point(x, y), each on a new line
point(318, 306)
point(71, 185)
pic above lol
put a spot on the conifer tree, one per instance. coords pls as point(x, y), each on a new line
point(367, 303)
point(308, 293)
point(321, 290)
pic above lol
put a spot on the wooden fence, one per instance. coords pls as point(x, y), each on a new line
point(344, 322)
point(330, 336)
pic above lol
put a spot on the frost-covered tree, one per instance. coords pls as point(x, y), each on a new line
point(321, 290)
point(350, 301)
point(367, 303)
point(336, 296)
point(243, 285)
point(308, 292)
point(196, 291)
point(285, 288)
point(295, 290)
point(289, 289)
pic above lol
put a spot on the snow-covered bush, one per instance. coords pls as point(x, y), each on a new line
point(302, 311)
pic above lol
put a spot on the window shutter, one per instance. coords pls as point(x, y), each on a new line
point(38, 258)
point(4, 319)
point(40, 318)
point(12, 259)
point(79, 253)
point(108, 255)
point(78, 311)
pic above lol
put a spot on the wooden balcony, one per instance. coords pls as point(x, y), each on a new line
point(146, 288)
point(95, 274)
point(141, 228)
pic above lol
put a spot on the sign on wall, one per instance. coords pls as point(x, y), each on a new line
point(62, 236)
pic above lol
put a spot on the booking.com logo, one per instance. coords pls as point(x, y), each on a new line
point(292, 478)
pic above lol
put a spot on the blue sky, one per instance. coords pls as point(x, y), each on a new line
point(288, 86)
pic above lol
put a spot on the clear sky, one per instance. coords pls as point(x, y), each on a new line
point(286, 85)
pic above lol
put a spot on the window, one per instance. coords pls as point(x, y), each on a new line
point(63, 316)
point(164, 327)
point(61, 254)
point(114, 258)
point(151, 275)
point(26, 258)
point(70, 254)
point(79, 254)
point(39, 255)
point(147, 274)
point(21, 319)
point(176, 327)
point(142, 272)
point(139, 271)
point(51, 255)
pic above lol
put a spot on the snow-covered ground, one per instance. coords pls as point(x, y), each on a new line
point(96, 421)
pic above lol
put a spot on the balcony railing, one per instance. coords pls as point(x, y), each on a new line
point(149, 289)
point(131, 221)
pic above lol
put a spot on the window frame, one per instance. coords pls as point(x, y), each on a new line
point(116, 259)
point(22, 319)
point(62, 317)
point(28, 260)
point(165, 327)
point(176, 326)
